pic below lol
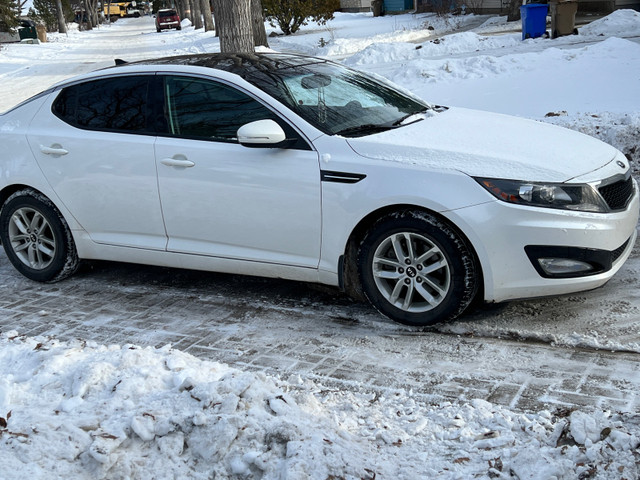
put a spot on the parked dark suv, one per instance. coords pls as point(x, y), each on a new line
point(167, 19)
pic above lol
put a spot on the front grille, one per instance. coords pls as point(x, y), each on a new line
point(618, 194)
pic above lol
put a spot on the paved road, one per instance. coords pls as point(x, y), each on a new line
point(297, 331)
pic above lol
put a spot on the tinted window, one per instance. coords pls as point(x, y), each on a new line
point(203, 109)
point(114, 104)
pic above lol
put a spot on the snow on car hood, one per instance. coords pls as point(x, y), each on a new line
point(489, 145)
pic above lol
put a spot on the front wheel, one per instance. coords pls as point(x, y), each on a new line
point(416, 269)
point(36, 238)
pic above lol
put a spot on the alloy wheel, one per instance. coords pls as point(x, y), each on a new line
point(32, 238)
point(411, 272)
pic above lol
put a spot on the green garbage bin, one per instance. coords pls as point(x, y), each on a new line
point(563, 18)
point(27, 29)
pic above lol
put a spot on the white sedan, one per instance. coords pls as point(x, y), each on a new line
point(296, 167)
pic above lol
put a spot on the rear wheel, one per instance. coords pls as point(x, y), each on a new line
point(36, 238)
point(416, 269)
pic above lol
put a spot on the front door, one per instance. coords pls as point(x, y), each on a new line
point(222, 199)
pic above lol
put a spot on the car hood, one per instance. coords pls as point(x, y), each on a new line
point(484, 144)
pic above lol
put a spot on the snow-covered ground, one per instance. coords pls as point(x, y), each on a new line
point(79, 410)
point(82, 410)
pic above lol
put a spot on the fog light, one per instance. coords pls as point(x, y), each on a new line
point(563, 266)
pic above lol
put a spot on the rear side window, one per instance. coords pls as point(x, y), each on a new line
point(118, 104)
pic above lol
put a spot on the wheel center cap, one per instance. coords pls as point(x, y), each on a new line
point(411, 272)
point(33, 238)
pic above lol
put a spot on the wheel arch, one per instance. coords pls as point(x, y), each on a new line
point(9, 190)
point(350, 280)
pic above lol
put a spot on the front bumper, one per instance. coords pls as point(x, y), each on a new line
point(502, 233)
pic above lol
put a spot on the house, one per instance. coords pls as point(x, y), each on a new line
point(355, 5)
point(365, 5)
point(477, 6)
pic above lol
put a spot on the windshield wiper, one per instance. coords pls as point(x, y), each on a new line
point(401, 120)
point(366, 129)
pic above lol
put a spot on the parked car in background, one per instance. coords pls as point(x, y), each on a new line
point(295, 167)
point(167, 19)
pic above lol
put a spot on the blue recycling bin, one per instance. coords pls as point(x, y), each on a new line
point(534, 20)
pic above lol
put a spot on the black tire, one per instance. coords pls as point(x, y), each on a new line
point(36, 238)
point(179, 28)
point(435, 280)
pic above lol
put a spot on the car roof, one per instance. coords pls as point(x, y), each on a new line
point(238, 63)
point(250, 67)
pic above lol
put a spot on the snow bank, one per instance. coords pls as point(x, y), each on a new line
point(623, 22)
point(453, 44)
point(620, 130)
point(535, 71)
point(83, 410)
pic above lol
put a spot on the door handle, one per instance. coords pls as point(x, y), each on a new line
point(176, 162)
point(55, 150)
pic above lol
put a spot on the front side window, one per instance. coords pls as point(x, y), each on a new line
point(117, 104)
point(207, 110)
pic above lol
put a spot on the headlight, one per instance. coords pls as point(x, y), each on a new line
point(580, 197)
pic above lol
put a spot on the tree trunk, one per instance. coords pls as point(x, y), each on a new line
point(187, 10)
point(89, 7)
point(205, 6)
point(257, 22)
point(214, 13)
point(62, 25)
point(86, 18)
point(180, 8)
point(513, 10)
point(233, 18)
point(197, 17)
point(95, 18)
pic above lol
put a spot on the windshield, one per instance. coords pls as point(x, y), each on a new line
point(338, 100)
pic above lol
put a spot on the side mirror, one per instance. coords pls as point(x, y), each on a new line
point(261, 133)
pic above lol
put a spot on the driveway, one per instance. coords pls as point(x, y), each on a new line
point(524, 355)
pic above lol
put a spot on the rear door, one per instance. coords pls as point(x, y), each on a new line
point(94, 143)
